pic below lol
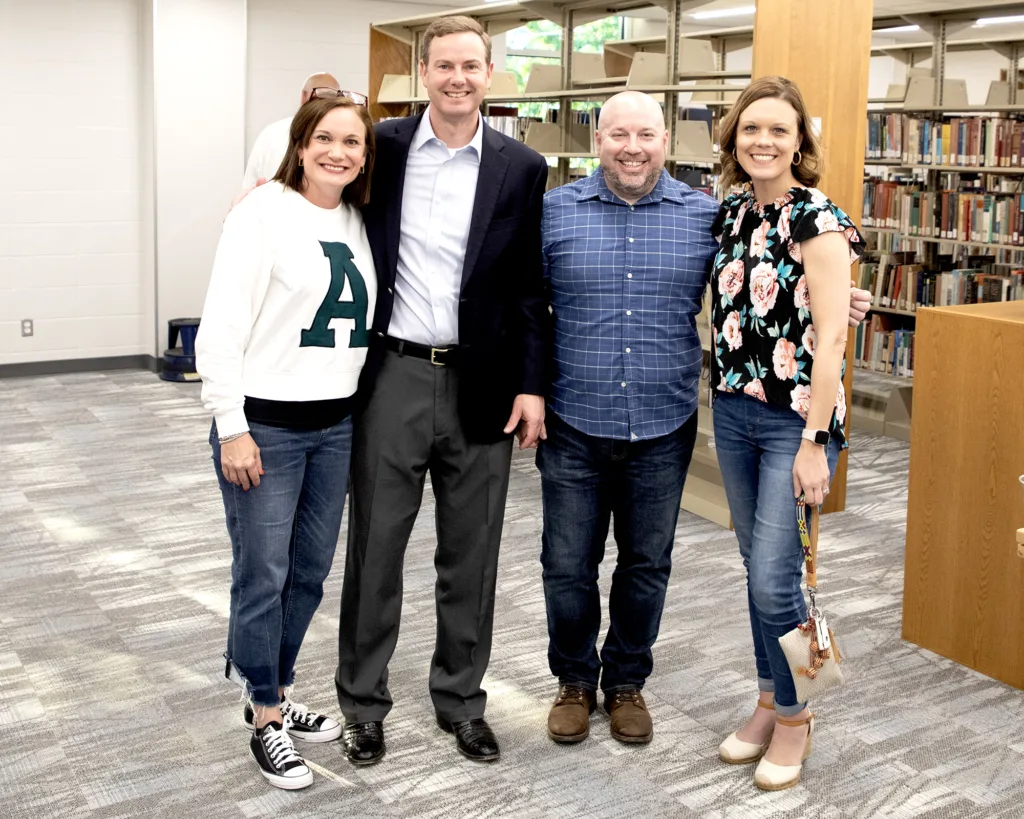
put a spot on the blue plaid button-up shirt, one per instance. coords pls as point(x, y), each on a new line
point(626, 285)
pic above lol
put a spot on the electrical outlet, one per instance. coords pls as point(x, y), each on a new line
point(27, 328)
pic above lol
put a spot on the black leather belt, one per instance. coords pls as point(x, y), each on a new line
point(438, 356)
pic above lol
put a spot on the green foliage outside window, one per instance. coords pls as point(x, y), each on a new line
point(543, 35)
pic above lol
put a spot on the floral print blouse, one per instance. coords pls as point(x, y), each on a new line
point(760, 313)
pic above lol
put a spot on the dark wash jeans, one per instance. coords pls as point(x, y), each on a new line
point(757, 444)
point(283, 536)
point(585, 481)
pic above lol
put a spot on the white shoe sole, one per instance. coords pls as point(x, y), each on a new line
point(312, 738)
point(319, 736)
point(286, 783)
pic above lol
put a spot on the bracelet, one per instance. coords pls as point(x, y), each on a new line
point(229, 438)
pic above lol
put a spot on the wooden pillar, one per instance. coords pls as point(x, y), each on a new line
point(825, 48)
point(387, 56)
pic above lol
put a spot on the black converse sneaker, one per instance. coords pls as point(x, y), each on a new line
point(308, 726)
point(301, 723)
point(281, 766)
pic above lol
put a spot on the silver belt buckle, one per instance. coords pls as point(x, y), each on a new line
point(433, 357)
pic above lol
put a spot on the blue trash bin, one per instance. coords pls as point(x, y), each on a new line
point(179, 363)
point(187, 329)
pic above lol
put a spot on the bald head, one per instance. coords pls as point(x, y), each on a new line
point(319, 80)
point(631, 106)
point(631, 143)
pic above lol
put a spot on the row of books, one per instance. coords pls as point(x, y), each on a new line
point(967, 141)
point(882, 347)
point(897, 282)
point(511, 126)
point(958, 215)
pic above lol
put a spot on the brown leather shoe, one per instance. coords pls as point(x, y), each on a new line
point(569, 718)
point(631, 721)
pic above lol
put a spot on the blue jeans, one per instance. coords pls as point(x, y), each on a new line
point(757, 444)
point(584, 482)
point(283, 536)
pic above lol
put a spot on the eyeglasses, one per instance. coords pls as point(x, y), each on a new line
point(331, 93)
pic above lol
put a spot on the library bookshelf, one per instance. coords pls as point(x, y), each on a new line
point(696, 64)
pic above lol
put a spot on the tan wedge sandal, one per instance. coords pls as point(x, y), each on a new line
point(771, 777)
point(737, 752)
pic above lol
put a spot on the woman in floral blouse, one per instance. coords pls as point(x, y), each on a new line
point(780, 291)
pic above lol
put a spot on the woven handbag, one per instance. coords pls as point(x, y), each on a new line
point(811, 649)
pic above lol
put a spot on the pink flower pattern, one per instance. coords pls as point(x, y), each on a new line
point(759, 240)
point(800, 399)
point(801, 297)
point(756, 389)
point(783, 226)
point(764, 288)
point(765, 340)
point(784, 360)
point(730, 279)
point(810, 339)
point(731, 331)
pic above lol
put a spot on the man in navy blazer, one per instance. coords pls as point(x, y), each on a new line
point(456, 364)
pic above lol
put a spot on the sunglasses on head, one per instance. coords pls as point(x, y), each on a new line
point(331, 93)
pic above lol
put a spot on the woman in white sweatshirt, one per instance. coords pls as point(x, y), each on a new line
point(283, 337)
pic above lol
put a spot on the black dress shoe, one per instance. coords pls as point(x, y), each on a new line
point(364, 742)
point(474, 739)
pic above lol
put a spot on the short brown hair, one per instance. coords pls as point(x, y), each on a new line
point(300, 134)
point(443, 26)
point(809, 169)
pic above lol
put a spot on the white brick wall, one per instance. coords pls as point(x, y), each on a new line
point(79, 240)
point(290, 41)
point(69, 191)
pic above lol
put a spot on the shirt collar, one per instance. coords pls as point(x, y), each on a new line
point(425, 133)
point(595, 187)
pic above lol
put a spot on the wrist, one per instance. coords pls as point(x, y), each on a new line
point(814, 437)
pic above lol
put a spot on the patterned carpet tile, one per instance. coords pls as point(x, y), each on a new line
point(113, 609)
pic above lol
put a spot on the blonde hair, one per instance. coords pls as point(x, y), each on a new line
point(808, 170)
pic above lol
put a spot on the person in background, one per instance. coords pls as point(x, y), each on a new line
point(272, 143)
point(283, 339)
point(779, 300)
point(627, 253)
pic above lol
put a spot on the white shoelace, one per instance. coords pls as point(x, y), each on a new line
point(279, 747)
point(297, 713)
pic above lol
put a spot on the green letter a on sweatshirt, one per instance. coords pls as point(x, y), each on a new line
point(342, 267)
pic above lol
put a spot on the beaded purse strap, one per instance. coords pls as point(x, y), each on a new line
point(809, 541)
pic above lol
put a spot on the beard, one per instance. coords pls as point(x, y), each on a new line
point(632, 186)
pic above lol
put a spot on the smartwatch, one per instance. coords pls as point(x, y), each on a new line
point(817, 436)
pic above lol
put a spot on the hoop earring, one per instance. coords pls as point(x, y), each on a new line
point(362, 169)
point(300, 161)
point(734, 155)
point(798, 158)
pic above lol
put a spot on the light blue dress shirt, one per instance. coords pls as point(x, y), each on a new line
point(437, 206)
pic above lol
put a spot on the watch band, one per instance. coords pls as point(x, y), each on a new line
point(816, 436)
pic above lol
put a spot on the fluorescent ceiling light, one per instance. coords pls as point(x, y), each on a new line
point(896, 30)
point(739, 11)
point(998, 21)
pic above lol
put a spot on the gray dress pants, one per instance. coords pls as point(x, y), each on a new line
point(411, 427)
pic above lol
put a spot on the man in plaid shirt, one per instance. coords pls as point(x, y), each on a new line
point(627, 254)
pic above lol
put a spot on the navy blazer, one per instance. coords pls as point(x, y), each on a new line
point(504, 324)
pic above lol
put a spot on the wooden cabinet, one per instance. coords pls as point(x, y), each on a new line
point(963, 594)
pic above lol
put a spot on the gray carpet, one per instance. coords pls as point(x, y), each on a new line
point(114, 571)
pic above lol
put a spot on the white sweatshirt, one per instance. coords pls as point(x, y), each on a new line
point(273, 307)
point(267, 152)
